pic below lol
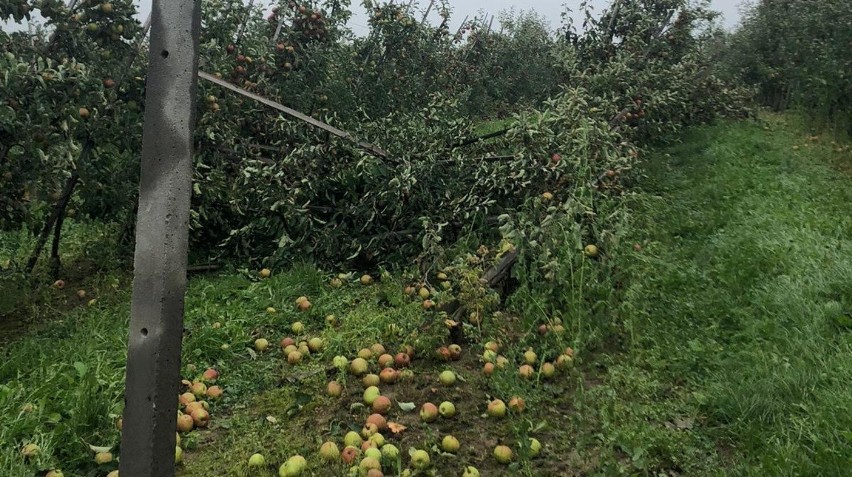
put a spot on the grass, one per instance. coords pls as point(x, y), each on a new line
point(729, 352)
point(739, 304)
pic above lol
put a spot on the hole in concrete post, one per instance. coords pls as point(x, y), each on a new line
point(165, 53)
point(144, 331)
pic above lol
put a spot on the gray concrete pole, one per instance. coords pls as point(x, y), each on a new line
point(159, 281)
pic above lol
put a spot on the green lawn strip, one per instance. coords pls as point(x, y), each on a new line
point(739, 307)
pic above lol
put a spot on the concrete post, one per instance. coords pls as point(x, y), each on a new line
point(159, 281)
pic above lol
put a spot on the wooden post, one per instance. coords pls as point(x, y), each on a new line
point(159, 281)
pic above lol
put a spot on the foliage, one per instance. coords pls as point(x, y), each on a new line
point(797, 53)
point(268, 188)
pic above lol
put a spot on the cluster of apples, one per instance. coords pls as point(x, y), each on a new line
point(368, 452)
point(193, 408)
point(105, 22)
point(426, 295)
point(547, 370)
point(636, 111)
point(312, 24)
point(296, 351)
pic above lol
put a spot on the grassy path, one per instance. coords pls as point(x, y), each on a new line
point(740, 305)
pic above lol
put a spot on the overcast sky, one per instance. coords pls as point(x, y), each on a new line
point(552, 9)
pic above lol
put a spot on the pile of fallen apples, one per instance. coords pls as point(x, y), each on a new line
point(369, 453)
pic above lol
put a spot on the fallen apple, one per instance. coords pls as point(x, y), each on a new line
point(388, 375)
point(428, 304)
point(526, 371)
point(381, 405)
point(199, 389)
point(378, 440)
point(329, 451)
point(455, 352)
point(358, 366)
point(271, 310)
point(423, 293)
point(447, 409)
point(185, 423)
point(428, 412)
point(530, 357)
point(368, 463)
point(371, 394)
point(503, 454)
point(447, 378)
point(304, 306)
point(443, 353)
point(535, 447)
point(492, 346)
point(210, 374)
point(420, 459)
point(366, 280)
point(288, 341)
point(214, 392)
point(371, 380)
point(402, 360)
point(365, 353)
point(496, 408)
point(377, 349)
point(334, 389)
point(315, 344)
point(385, 360)
point(256, 460)
point(336, 283)
point(261, 344)
point(178, 455)
point(564, 362)
point(200, 417)
point(193, 406)
point(591, 250)
point(30, 450)
point(331, 320)
point(488, 369)
point(350, 454)
point(373, 452)
point(293, 467)
point(340, 362)
point(297, 327)
point(265, 273)
point(290, 349)
point(450, 444)
point(186, 398)
point(294, 357)
point(470, 471)
point(56, 473)
point(352, 439)
point(548, 370)
point(390, 452)
point(103, 458)
point(517, 404)
point(378, 420)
